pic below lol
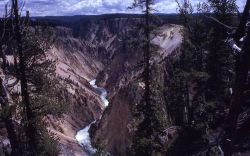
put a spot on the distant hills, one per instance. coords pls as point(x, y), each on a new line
point(68, 20)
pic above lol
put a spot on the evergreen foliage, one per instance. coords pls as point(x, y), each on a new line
point(152, 118)
point(198, 92)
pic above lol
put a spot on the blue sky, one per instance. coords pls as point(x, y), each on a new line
point(87, 7)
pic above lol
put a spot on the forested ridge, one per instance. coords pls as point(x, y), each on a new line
point(190, 99)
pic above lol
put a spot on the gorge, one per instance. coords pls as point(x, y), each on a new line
point(98, 61)
point(101, 49)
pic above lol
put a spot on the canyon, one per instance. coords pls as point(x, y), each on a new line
point(98, 59)
point(103, 49)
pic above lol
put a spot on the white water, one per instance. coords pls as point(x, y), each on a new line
point(82, 136)
point(103, 92)
point(83, 139)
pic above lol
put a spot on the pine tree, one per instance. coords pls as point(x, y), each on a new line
point(219, 57)
point(152, 118)
point(31, 129)
point(187, 81)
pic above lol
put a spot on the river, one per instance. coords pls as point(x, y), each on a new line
point(82, 136)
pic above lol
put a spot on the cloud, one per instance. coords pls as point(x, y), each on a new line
point(169, 6)
point(241, 4)
point(80, 7)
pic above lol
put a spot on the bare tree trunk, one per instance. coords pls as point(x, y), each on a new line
point(2, 52)
point(147, 58)
point(187, 109)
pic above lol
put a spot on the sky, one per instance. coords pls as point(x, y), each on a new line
point(93, 7)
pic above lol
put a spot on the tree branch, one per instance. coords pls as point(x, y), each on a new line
point(217, 21)
point(242, 26)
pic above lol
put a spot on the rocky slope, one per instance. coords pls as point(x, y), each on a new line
point(77, 67)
